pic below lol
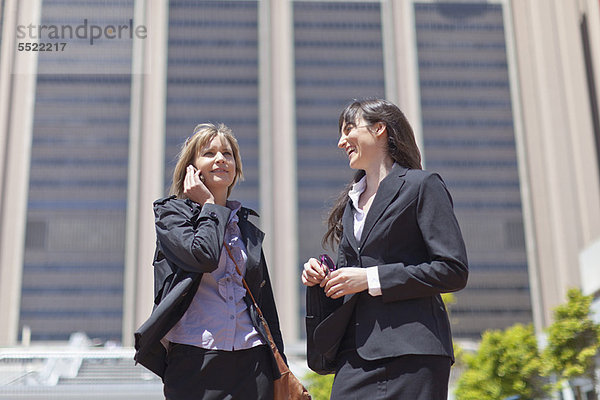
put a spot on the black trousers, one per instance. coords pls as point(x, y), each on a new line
point(412, 377)
point(194, 373)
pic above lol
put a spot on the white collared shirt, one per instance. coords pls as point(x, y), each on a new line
point(359, 223)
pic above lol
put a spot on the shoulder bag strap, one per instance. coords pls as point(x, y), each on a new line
point(244, 282)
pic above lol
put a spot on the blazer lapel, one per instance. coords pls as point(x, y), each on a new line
point(348, 226)
point(386, 193)
point(252, 237)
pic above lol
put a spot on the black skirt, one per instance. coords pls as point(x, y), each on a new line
point(194, 373)
point(411, 377)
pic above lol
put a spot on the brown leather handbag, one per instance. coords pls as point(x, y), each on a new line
point(287, 386)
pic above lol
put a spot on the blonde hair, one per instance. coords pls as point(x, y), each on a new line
point(201, 136)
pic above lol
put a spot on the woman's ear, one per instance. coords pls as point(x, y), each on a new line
point(380, 128)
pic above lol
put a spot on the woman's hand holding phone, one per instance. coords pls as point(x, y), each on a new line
point(194, 187)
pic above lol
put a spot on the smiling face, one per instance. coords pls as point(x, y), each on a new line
point(216, 163)
point(361, 143)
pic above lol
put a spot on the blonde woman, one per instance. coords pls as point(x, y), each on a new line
point(204, 337)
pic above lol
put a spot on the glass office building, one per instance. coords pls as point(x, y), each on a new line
point(89, 140)
point(338, 56)
point(73, 262)
point(469, 138)
point(212, 76)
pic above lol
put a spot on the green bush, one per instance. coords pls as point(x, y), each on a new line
point(319, 386)
point(507, 363)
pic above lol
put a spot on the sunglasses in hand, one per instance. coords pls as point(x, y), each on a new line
point(327, 263)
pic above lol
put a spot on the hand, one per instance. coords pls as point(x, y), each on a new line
point(194, 188)
point(313, 272)
point(345, 281)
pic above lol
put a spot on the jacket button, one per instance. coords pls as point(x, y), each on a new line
point(212, 214)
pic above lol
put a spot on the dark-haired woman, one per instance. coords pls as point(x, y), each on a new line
point(400, 247)
point(204, 337)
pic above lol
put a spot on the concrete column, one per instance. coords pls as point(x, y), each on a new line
point(278, 158)
point(533, 265)
point(8, 15)
point(587, 178)
point(146, 154)
point(400, 51)
point(559, 143)
point(389, 38)
point(18, 79)
point(591, 8)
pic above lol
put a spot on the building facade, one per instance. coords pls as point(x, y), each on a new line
point(502, 96)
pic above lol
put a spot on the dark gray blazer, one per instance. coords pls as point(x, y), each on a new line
point(189, 242)
point(413, 237)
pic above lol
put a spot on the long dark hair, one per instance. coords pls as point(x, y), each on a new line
point(401, 146)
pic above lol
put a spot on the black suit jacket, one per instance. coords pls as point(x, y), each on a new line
point(412, 236)
point(189, 243)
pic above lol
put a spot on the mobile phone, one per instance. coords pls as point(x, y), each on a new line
point(327, 263)
point(196, 170)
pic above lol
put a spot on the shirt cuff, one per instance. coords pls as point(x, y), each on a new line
point(373, 281)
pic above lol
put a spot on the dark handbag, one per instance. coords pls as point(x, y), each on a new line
point(287, 386)
point(316, 361)
point(320, 354)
